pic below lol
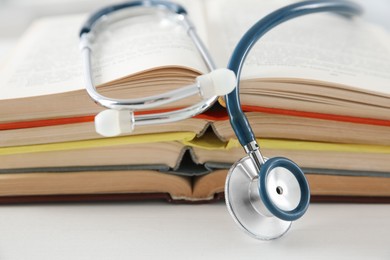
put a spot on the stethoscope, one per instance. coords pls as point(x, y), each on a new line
point(262, 195)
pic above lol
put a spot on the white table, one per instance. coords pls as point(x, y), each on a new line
point(158, 230)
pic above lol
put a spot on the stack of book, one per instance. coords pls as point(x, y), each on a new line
point(316, 90)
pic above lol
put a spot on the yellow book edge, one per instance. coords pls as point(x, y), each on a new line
point(208, 142)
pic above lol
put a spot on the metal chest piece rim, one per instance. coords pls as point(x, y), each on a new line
point(245, 205)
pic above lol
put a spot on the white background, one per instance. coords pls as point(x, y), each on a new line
point(164, 231)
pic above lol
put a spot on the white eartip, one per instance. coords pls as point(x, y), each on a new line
point(113, 122)
point(217, 83)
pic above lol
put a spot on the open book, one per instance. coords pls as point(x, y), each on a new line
point(341, 69)
point(343, 78)
point(320, 97)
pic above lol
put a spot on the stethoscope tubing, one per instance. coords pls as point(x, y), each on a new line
point(238, 119)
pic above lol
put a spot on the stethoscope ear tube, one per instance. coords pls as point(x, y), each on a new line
point(120, 118)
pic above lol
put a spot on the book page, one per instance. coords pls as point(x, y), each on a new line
point(318, 47)
point(48, 59)
point(141, 181)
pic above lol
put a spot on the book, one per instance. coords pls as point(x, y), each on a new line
point(321, 101)
point(308, 74)
point(147, 184)
point(266, 125)
point(179, 167)
point(167, 150)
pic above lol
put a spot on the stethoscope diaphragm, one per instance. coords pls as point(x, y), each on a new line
point(264, 203)
point(245, 205)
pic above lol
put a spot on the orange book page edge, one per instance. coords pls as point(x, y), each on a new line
point(218, 114)
point(215, 115)
point(350, 119)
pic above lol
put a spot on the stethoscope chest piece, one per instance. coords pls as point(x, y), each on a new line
point(264, 204)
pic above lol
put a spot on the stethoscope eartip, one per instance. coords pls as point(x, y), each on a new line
point(218, 82)
point(112, 122)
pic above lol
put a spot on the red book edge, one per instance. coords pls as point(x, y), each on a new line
point(208, 115)
point(218, 114)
